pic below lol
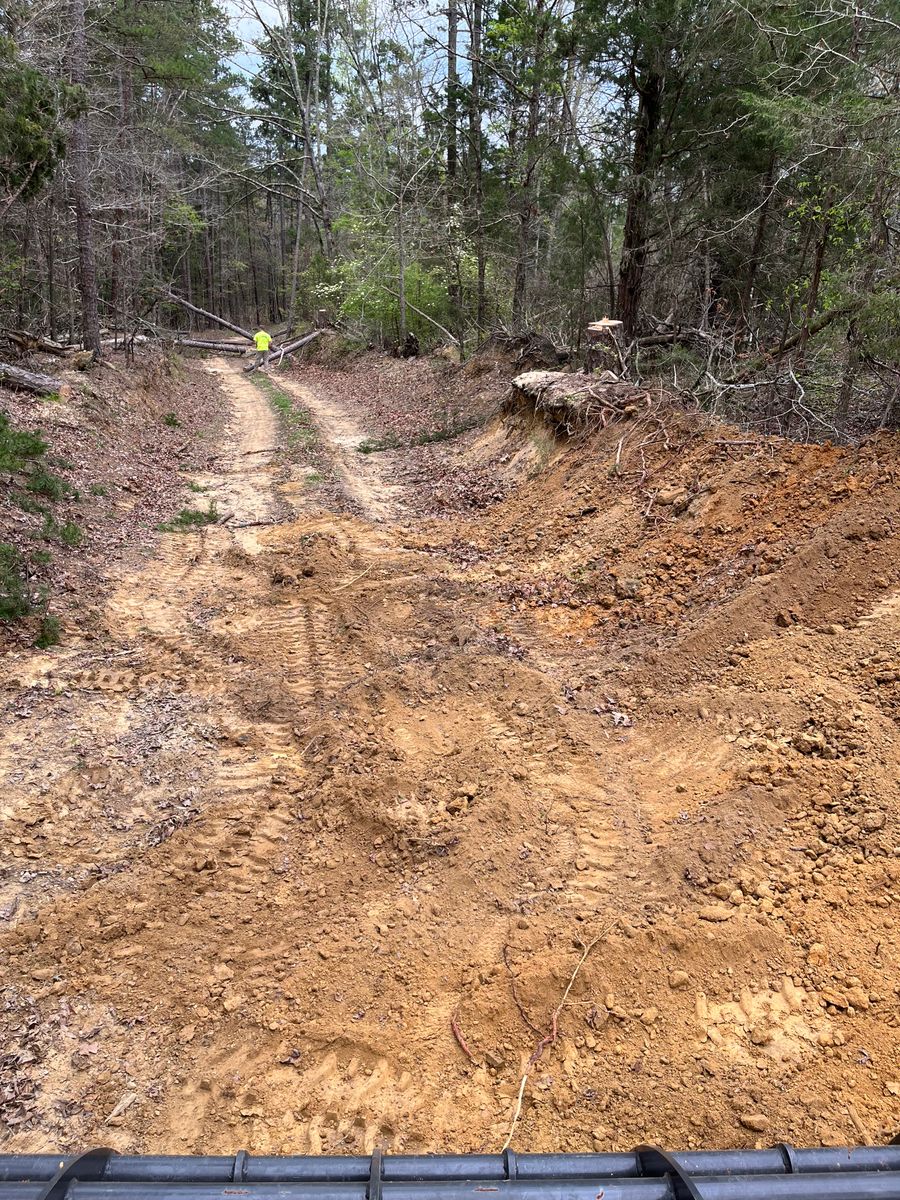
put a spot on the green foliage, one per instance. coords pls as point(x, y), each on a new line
point(191, 518)
point(49, 633)
point(43, 483)
point(15, 601)
point(97, 489)
point(297, 423)
point(373, 445)
point(27, 504)
point(32, 135)
point(878, 326)
point(67, 532)
point(373, 298)
point(171, 419)
point(17, 446)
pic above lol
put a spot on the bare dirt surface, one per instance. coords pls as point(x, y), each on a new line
point(302, 850)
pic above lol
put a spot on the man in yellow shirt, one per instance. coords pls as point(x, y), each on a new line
point(262, 341)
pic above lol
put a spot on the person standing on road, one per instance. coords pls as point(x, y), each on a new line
point(262, 341)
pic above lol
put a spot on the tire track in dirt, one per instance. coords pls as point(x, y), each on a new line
point(317, 808)
point(362, 476)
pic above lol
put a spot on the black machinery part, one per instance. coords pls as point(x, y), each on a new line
point(647, 1173)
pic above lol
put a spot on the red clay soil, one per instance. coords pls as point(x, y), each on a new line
point(303, 853)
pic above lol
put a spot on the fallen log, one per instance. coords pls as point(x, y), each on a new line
point(278, 352)
point(217, 347)
point(30, 381)
point(29, 342)
point(290, 347)
point(245, 333)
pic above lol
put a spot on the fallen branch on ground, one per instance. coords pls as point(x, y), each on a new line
point(30, 381)
point(355, 579)
point(457, 1033)
point(552, 1035)
point(29, 342)
point(202, 312)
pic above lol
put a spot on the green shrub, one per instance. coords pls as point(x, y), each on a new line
point(68, 532)
point(191, 518)
point(97, 489)
point(171, 419)
point(26, 503)
point(17, 446)
point(48, 634)
point(15, 602)
point(45, 484)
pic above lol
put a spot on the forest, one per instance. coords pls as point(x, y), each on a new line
point(720, 177)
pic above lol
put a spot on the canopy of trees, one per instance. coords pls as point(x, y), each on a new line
point(722, 177)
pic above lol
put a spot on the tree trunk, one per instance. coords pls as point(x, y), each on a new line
point(210, 316)
point(475, 158)
point(453, 273)
point(756, 250)
point(814, 283)
point(51, 268)
point(527, 180)
point(78, 177)
point(401, 270)
point(637, 213)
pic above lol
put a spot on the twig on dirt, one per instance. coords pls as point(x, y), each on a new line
point(265, 450)
point(550, 1038)
point(225, 518)
point(252, 524)
point(864, 1136)
point(457, 1033)
point(515, 995)
point(355, 579)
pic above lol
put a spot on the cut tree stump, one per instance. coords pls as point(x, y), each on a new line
point(571, 403)
point(30, 381)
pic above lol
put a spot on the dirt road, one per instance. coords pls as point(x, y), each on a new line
point(305, 847)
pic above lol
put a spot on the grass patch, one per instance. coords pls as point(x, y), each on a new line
point(298, 427)
point(196, 487)
point(27, 503)
point(374, 445)
point(68, 533)
point(448, 433)
point(61, 464)
point(42, 557)
point(49, 633)
point(43, 483)
point(313, 478)
point(15, 601)
point(97, 489)
point(171, 419)
point(18, 447)
point(191, 518)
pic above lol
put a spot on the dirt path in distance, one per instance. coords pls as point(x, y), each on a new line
point(363, 476)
